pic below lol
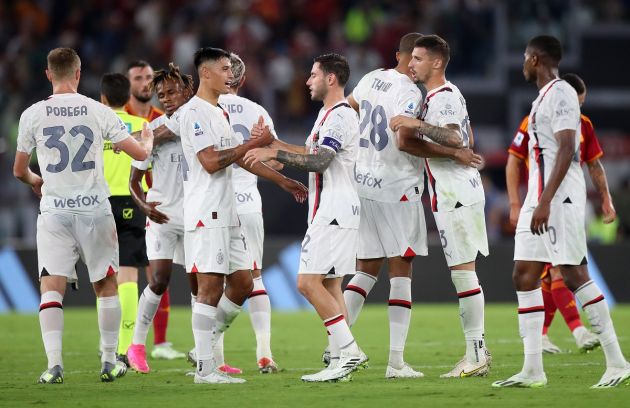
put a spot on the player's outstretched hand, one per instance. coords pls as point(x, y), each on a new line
point(608, 211)
point(540, 218)
point(153, 213)
point(468, 158)
point(262, 155)
point(295, 188)
point(403, 121)
point(37, 186)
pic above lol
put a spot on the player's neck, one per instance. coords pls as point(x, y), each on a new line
point(404, 69)
point(333, 96)
point(142, 109)
point(208, 95)
point(435, 82)
point(545, 76)
point(64, 87)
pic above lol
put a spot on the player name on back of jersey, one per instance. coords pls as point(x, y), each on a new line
point(380, 85)
point(66, 110)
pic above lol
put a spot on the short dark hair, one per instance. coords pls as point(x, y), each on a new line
point(115, 87)
point(576, 82)
point(408, 42)
point(172, 73)
point(548, 46)
point(63, 62)
point(137, 64)
point(209, 54)
point(436, 45)
point(335, 64)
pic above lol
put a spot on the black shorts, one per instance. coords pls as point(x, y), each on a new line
point(130, 226)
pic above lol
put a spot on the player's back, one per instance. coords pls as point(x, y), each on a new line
point(244, 114)
point(383, 172)
point(68, 132)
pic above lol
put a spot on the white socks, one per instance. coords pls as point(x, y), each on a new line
point(471, 312)
point(399, 311)
point(51, 323)
point(260, 315)
point(203, 320)
point(109, 326)
point(226, 313)
point(596, 308)
point(355, 293)
point(147, 307)
point(341, 335)
point(531, 316)
point(217, 351)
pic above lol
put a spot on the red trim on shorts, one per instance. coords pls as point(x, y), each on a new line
point(255, 266)
point(194, 269)
point(400, 302)
point(597, 299)
point(199, 224)
point(409, 253)
point(110, 271)
point(357, 289)
point(434, 207)
point(404, 198)
point(333, 320)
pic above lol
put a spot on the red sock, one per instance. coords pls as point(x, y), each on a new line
point(566, 304)
point(550, 306)
point(160, 322)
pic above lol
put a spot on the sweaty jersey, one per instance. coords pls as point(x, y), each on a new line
point(384, 173)
point(556, 108)
point(168, 184)
point(68, 132)
point(590, 149)
point(451, 184)
point(332, 195)
point(208, 198)
point(118, 165)
point(243, 115)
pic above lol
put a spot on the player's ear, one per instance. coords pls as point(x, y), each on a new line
point(104, 100)
point(49, 75)
point(397, 56)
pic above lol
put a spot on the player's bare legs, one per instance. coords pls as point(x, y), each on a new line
point(577, 279)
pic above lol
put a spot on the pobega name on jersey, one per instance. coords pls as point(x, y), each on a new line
point(383, 172)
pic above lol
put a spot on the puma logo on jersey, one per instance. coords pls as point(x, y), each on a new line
point(77, 202)
point(367, 180)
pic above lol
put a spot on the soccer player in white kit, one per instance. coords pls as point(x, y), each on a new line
point(330, 244)
point(68, 131)
point(244, 115)
point(550, 227)
point(457, 197)
point(215, 249)
point(163, 206)
point(389, 180)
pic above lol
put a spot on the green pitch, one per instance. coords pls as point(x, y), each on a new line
point(434, 345)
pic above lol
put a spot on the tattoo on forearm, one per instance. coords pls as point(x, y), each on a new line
point(309, 162)
point(226, 157)
point(442, 135)
point(598, 176)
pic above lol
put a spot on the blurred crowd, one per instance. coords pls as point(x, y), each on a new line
point(276, 38)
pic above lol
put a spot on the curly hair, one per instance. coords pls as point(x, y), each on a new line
point(172, 73)
point(238, 69)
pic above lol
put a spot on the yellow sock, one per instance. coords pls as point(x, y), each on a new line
point(128, 294)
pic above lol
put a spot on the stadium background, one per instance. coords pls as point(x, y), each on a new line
point(277, 40)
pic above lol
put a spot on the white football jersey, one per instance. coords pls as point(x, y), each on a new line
point(332, 196)
point(208, 198)
point(243, 115)
point(556, 108)
point(384, 173)
point(172, 123)
point(68, 132)
point(168, 185)
point(451, 185)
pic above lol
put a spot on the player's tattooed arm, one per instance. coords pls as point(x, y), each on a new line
point(449, 135)
point(317, 163)
point(598, 176)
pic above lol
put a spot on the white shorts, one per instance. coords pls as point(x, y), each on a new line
point(64, 238)
point(564, 243)
point(463, 233)
point(253, 228)
point(165, 241)
point(216, 250)
point(387, 230)
point(329, 250)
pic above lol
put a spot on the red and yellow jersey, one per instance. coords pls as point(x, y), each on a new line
point(154, 113)
point(590, 148)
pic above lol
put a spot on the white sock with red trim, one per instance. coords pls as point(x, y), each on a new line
point(341, 334)
point(531, 316)
point(471, 313)
point(399, 311)
point(596, 308)
point(260, 316)
point(51, 324)
point(355, 294)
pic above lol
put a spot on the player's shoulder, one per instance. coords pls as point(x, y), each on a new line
point(586, 120)
point(159, 121)
point(563, 88)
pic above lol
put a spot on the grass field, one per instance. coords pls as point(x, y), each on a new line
point(434, 345)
